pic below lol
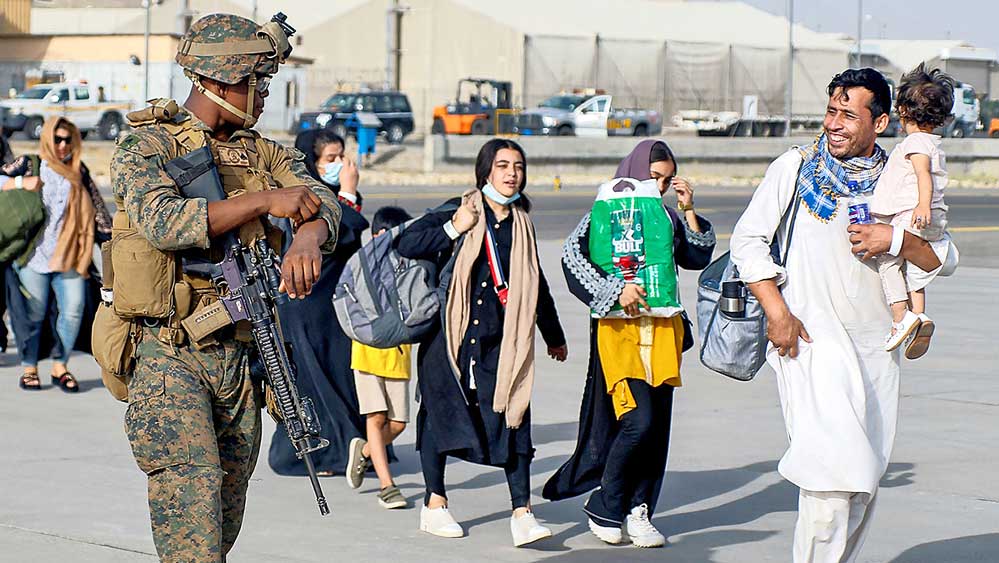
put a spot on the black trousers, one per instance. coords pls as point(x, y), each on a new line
point(636, 461)
point(517, 469)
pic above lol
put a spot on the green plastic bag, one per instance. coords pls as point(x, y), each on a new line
point(631, 237)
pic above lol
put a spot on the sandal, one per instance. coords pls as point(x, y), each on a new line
point(67, 382)
point(29, 381)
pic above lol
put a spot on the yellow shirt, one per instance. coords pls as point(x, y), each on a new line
point(393, 363)
point(646, 348)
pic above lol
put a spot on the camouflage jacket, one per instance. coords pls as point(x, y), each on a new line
point(171, 222)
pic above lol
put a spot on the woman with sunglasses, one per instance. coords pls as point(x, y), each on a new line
point(635, 352)
point(59, 260)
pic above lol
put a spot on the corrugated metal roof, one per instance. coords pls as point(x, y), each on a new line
point(705, 22)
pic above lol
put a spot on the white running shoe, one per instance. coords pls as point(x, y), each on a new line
point(901, 330)
point(526, 529)
point(607, 534)
point(640, 530)
point(439, 522)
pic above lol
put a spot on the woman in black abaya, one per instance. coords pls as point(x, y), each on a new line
point(320, 349)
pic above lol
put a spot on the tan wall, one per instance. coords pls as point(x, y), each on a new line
point(348, 51)
point(15, 16)
point(443, 42)
point(86, 48)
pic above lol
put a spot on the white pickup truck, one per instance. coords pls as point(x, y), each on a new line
point(80, 102)
point(586, 116)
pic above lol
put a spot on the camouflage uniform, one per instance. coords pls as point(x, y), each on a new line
point(193, 418)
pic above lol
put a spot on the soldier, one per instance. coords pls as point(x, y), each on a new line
point(193, 418)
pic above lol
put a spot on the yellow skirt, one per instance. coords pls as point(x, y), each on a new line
point(646, 348)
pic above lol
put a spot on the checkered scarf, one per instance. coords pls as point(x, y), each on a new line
point(824, 178)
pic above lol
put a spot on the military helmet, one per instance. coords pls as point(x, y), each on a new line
point(228, 48)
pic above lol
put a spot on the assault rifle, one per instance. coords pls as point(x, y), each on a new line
point(247, 280)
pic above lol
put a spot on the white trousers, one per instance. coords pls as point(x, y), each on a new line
point(832, 526)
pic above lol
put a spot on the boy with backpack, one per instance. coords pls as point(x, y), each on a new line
point(382, 380)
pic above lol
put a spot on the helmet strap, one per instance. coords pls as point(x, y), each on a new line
point(247, 116)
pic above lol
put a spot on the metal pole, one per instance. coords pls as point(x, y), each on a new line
point(389, 45)
point(860, 29)
point(254, 18)
point(399, 11)
point(145, 57)
point(790, 67)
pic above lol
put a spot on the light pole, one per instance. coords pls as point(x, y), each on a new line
point(145, 57)
point(790, 67)
point(860, 29)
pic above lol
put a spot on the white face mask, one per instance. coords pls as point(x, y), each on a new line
point(331, 174)
point(492, 193)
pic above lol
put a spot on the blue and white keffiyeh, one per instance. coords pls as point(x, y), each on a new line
point(824, 178)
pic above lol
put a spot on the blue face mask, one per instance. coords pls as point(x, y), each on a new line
point(492, 193)
point(331, 175)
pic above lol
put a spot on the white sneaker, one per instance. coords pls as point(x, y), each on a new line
point(607, 534)
point(526, 529)
point(901, 330)
point(439, 522)
point(640, 530)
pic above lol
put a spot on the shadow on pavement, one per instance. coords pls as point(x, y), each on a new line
point(555, 432)
point(898, 475)
point(683, 488)
point(695, 547)
point(967, 549)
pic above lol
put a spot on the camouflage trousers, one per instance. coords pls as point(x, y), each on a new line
point(193, 421)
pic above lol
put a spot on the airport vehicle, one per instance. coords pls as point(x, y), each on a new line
point(966, 111)
point(480, 107)
point(587, 114)
point(78, 101)
point(391, 108)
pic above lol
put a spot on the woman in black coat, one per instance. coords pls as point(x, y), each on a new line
point(623, 444)
point(320, 348)
point(468, 410)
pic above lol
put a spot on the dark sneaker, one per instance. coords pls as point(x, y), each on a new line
point(391, 497)
point(357, 464)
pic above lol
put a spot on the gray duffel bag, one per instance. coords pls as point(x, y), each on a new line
point(736, 345)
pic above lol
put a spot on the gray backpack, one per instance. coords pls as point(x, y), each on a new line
point(384, 300)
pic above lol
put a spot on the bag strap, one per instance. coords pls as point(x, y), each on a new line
point(790, 217)
point(495, 267)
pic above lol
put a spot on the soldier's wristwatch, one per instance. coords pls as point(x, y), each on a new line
point(683, 207)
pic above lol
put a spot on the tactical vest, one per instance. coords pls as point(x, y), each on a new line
point(149, 284)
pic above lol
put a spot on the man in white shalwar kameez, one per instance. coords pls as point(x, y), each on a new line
point(827, 315)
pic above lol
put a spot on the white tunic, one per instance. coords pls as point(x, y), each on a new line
point(840, 395)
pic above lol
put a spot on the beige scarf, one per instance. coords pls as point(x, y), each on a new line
point(75, 245)
point(515, 372)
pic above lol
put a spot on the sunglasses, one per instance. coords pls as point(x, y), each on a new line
point(263, 84)
point(60, 140)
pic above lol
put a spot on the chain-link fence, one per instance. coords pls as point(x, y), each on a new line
point(672, 76)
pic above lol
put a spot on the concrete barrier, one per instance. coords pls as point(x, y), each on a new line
point(716, 156)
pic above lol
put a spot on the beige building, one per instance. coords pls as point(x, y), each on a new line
point(666, 55)
point(105, 45)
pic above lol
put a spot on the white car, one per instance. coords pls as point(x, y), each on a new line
point(77, 101)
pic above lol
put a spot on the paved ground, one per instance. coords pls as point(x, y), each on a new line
point(69, 490)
